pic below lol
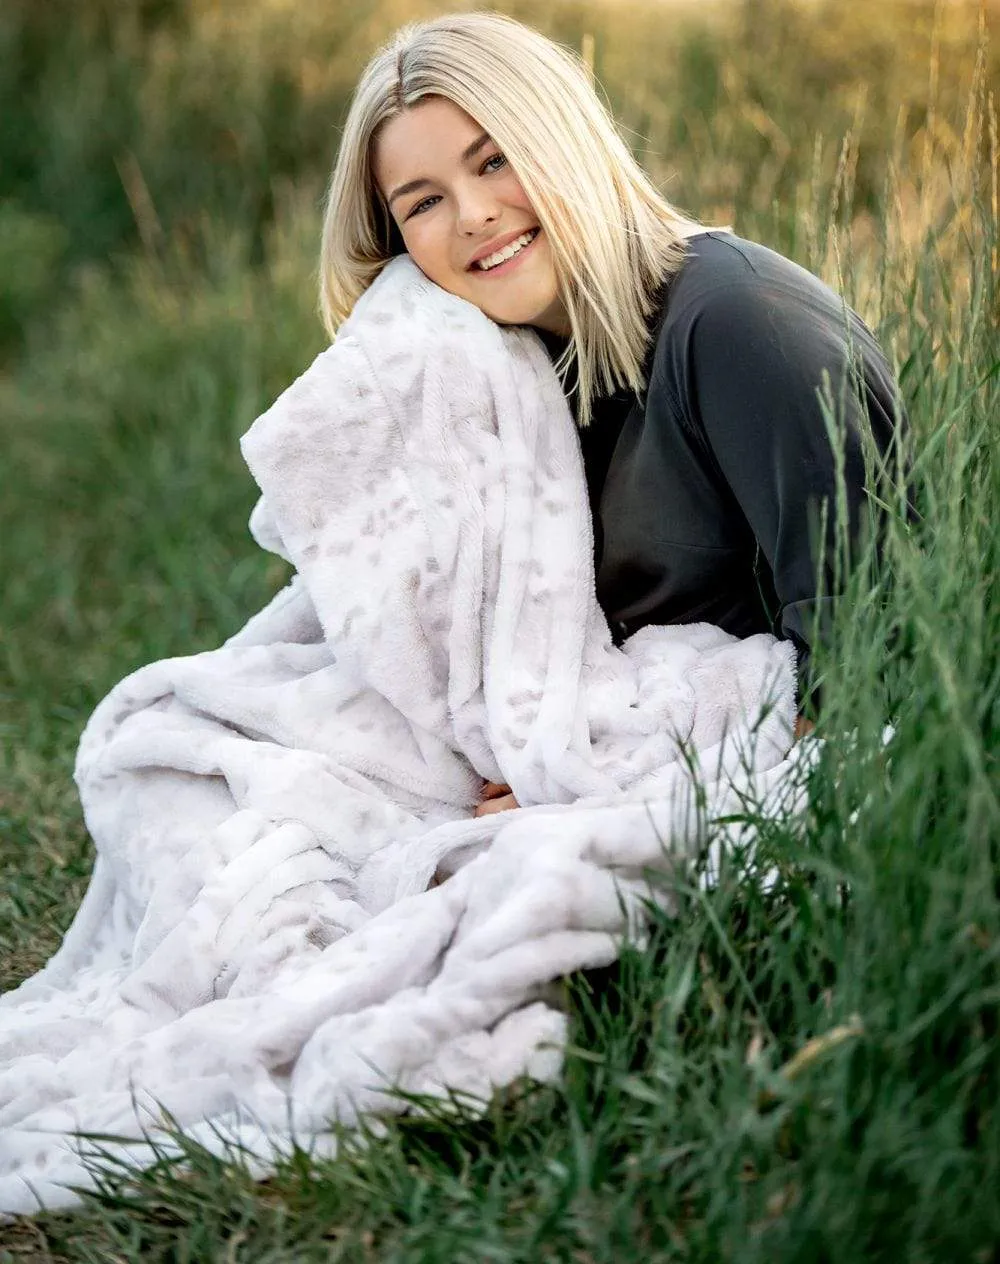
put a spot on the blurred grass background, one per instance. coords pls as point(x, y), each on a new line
point(161, 169)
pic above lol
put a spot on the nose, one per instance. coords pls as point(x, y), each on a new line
point(477, 209)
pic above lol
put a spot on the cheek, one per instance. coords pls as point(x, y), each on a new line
point(516, 195)
point(425, 245)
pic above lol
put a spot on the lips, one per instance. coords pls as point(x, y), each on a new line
point(497, 244)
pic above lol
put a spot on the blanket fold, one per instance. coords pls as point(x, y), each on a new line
point(293, 909)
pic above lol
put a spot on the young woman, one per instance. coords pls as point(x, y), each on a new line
point(707, 368)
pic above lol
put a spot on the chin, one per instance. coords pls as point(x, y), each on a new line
point(527, 315)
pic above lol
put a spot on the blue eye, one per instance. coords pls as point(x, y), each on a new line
point(493, 158)
point(416, 209)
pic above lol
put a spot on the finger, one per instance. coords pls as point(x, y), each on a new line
point(504, 804)
point(495, 789)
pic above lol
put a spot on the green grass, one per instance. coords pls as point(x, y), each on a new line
point(701, 1119)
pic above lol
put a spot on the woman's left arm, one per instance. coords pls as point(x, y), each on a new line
point(764, 364)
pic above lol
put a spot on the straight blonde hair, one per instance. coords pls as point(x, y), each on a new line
point(614, 239)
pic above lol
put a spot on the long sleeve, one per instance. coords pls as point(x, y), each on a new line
point(761, 356)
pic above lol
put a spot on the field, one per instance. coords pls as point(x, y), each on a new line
point(810, 1073)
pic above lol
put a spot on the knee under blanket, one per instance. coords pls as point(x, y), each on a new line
point(293, 907)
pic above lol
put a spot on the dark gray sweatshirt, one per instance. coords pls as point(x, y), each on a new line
point(706, 490)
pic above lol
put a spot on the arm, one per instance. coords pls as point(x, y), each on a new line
point(757, 359)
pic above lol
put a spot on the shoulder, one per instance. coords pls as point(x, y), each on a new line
point(725, 277)
point(735, 305)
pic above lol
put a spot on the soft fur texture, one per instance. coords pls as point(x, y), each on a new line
point(293, 907)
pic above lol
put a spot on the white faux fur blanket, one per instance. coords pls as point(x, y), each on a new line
point(293, 907)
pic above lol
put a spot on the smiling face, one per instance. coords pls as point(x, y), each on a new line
point(455, 200)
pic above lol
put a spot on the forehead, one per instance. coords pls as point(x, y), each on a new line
point(424, 138)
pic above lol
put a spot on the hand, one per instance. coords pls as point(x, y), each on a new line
point(496, 797)
point(802, 726)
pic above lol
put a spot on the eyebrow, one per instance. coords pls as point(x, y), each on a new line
point(470, 152)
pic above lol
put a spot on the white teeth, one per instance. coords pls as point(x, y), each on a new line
point(508, 252)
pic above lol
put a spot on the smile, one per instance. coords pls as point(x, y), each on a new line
point(508, 264)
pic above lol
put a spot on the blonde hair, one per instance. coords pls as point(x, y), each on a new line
point(614, 239)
